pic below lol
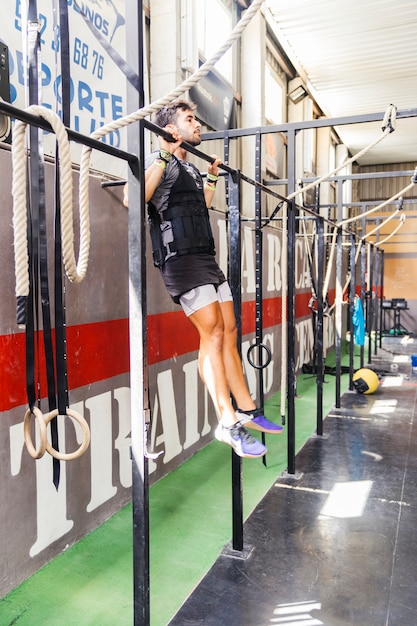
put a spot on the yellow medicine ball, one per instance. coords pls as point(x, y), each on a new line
point(365, 381)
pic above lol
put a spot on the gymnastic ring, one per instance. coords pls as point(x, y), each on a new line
point(35, 454)
point(267, 350)
point(62, 456)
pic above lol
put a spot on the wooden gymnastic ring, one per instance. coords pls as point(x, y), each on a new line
point(35, 454)
point(62, 456)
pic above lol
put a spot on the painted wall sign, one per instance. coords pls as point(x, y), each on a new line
point(98, 91)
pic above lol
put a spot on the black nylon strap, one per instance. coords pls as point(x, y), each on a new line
point(39, 248)
point(60, 317)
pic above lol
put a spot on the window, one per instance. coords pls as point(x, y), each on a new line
point(273, 97)
point(214, 26)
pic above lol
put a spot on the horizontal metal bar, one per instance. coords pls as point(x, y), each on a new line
point(323, 122)
point(113, 183)
point(361, 176)
point(233, 171)
point(34, 120)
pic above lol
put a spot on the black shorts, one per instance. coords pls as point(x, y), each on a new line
point(183, 273)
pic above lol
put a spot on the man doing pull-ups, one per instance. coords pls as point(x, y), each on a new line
point(183, 250)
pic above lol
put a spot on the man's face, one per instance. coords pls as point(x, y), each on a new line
point(188, 127)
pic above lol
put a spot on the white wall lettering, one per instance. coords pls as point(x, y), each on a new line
point(274, 282)
point(164, 408)
point(248, 262)
point(191, 403)
point(305, 336)
point(101, 447)
point(302, 270)
point(123, 440)
point(51, 526)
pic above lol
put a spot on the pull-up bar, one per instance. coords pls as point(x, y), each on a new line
point(35, 120)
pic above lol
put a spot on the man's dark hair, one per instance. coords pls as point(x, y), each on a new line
point(168, 114)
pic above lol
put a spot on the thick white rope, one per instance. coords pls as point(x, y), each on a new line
point(388, 126)
point(329, 265)
point(396, 229)
point(380, 206)
point(140, 114)
point(379, 226)
point(348, 279)
point(360, 216)
point(76, 271)
point(19, 186)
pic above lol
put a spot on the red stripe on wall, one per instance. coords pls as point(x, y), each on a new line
point(101, 350)
point(95, 352)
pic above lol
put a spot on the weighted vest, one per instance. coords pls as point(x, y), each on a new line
point(186, 216)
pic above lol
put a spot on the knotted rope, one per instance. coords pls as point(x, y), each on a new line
point(383, 204)
point(388, 126)
point(19, 189)
point(76, 270)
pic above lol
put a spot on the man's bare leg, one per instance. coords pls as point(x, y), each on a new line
point(210, 326)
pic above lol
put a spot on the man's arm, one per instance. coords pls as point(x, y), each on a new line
point(154, 173)
point(210, 185)
point(153, 176)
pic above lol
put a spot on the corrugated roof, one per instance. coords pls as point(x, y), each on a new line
point(358, 57)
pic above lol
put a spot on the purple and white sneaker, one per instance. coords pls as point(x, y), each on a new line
point(240, 440)
point(256, 420)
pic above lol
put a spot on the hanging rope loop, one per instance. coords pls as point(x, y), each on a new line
point(390, 119)
point(140, 114)
point(75, 271)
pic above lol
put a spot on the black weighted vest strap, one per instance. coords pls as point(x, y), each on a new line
point(186, 217)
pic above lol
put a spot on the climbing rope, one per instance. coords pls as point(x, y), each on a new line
point(396, 229)
point(388, 126)
point(19, 190)
point(140, 114)
point(76, 270)
point(379, 226)
point(383, 204)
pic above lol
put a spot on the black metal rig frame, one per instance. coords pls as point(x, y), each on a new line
point(140, 416)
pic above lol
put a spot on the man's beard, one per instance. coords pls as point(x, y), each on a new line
point(194, 141)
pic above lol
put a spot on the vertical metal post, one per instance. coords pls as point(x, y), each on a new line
point(338, 315)
point(320, 326)
point(259, 275)
point(363, 290)
point(339, 291)
point(236, 288)
point(140, 413)
point(291, 306)
point(258, 266)
point(376, 301)
point(381, 298)
point(370, 321)
point(352, 291)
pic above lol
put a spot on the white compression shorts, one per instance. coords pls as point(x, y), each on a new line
point(197, 298)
